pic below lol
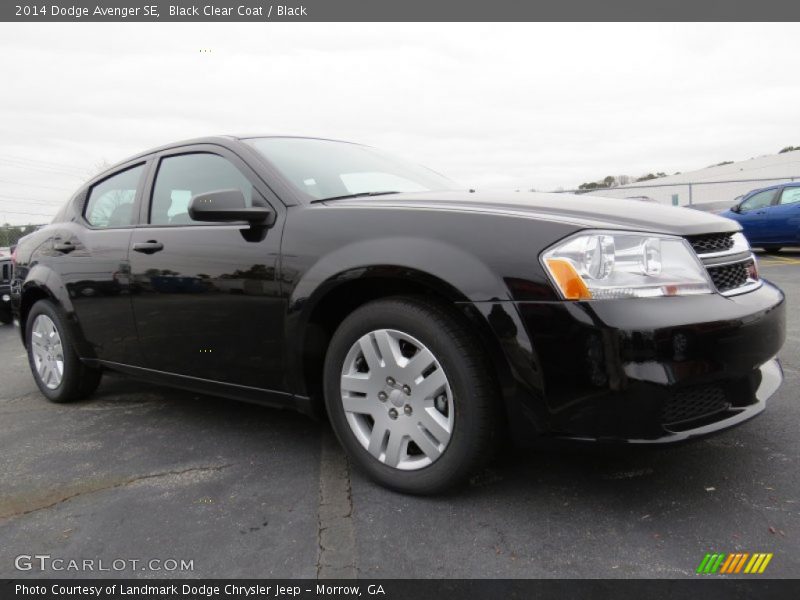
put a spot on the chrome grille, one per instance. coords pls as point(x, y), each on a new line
point(728, 260)
point(711, 242)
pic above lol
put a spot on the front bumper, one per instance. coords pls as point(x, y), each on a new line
point(641, 370)
point(771, 378)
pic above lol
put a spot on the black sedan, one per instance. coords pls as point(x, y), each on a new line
point(427, 322)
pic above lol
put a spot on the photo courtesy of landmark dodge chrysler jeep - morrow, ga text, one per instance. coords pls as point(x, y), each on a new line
point(427, 322)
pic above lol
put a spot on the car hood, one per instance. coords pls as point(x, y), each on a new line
point(583, 211)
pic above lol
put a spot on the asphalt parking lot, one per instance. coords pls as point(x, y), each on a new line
point(140, 472)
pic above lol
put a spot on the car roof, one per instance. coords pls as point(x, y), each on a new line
point(774, 187)
point(213, 139)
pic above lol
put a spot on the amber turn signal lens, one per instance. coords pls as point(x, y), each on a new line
point(568, 280)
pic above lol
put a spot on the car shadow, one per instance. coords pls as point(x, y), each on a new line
point(621, 478)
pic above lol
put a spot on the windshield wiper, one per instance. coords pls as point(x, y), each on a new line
point(359, 195)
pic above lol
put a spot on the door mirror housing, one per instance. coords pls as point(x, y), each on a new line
point(226, 206)
point(736, 208)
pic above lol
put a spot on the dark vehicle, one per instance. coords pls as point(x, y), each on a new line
point(5, 289)
point(770, 217)
point(428, 322)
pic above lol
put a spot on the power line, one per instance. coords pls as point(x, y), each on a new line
point(38, 214)
point(47, 187)
point(48, 165)
point(43, 205)
point(33, 201)
point(45, 163)
point(43, 169)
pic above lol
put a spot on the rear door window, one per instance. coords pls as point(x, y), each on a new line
point(790, 195)
point(111, 202)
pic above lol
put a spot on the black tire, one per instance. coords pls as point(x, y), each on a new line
point(772, 249)
point(6, 317)
point(78, 380)
point(474, 432)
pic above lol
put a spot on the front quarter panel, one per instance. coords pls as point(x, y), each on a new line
point(481, 256)
point(466, 258)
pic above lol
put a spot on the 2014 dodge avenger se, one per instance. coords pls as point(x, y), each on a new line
point(429, 322)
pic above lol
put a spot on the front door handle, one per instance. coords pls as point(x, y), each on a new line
point(65, 247)
point(148, 247)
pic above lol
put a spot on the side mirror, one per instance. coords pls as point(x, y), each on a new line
point(225, 206)
point(736, 208)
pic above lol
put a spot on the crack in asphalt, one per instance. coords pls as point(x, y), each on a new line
point(336, 557)
point(110, 486)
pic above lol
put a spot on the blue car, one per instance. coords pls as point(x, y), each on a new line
point(770, 217)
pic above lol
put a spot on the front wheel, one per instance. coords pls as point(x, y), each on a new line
point(409, 395)
point(56, 367)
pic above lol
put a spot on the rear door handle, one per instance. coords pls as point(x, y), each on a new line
point(148, 247)
point(65, 247)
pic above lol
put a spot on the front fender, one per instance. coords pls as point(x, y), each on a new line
point(451, 273)
point(463, 274)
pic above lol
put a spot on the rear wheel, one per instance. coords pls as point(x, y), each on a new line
point(772, 249)
point(56, 368)
point(409, 395)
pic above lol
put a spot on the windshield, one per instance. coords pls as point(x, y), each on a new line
point(324, 169)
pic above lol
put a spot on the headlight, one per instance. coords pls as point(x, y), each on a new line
point(610, 264)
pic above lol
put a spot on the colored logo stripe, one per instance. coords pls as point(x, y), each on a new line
point(734, 563)
point(727, 564)
point(703, 564)
point(710, 563)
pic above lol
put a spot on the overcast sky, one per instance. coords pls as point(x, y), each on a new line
point(491, 106)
